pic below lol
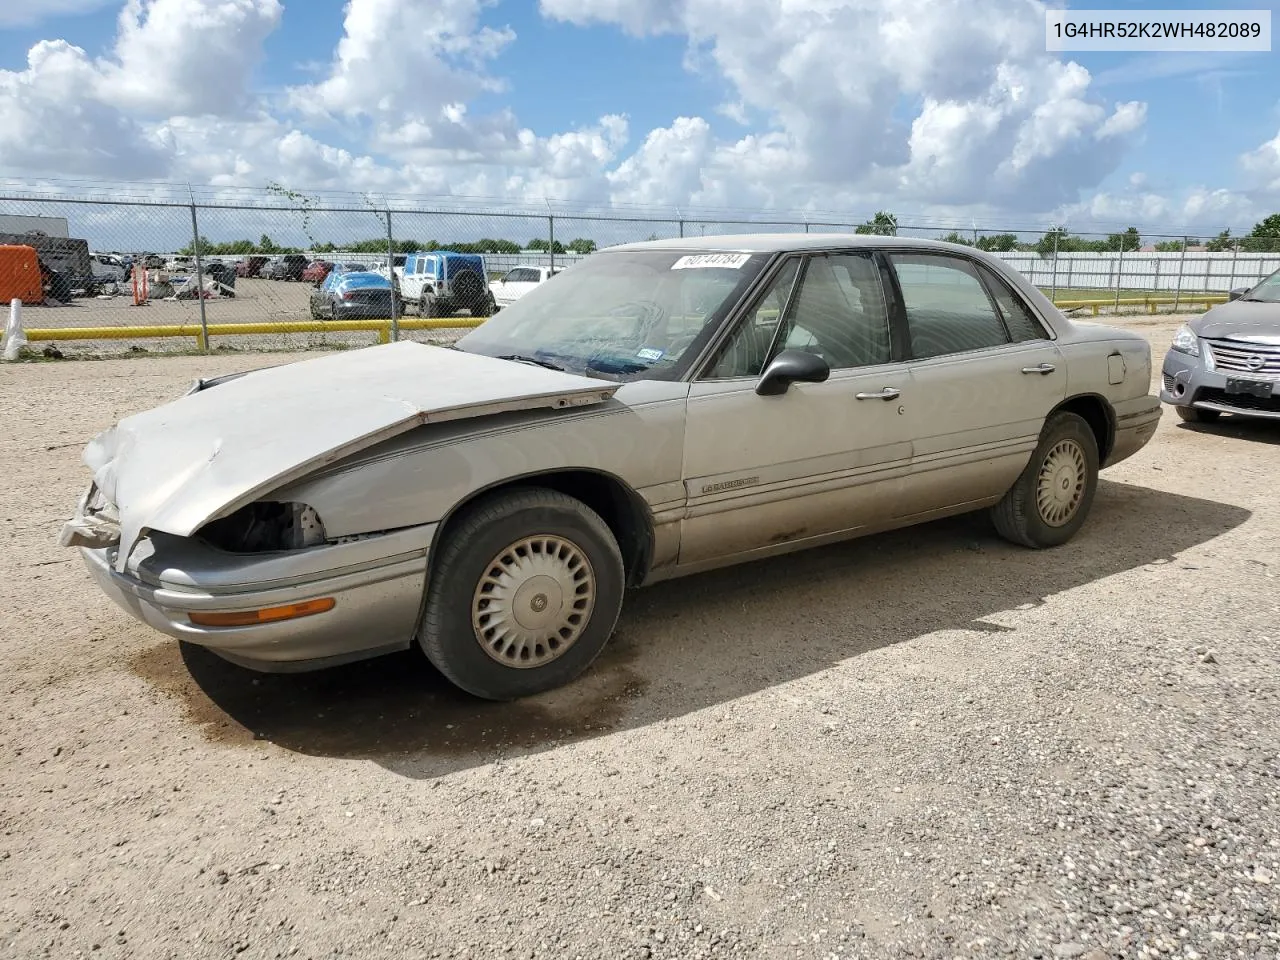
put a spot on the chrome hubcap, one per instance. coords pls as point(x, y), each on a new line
point(533, 601)
point(1060, 487)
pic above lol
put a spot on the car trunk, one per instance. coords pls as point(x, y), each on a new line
point(368, 296)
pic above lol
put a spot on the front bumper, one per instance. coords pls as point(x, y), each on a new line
point(1187, 381)
point(377, 582)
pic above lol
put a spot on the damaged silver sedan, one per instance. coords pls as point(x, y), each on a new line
point(656, 410)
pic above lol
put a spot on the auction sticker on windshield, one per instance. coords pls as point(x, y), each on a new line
point(732, 261)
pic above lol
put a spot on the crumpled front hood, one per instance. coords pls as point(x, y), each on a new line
point(1240, 320)
point(205, 455)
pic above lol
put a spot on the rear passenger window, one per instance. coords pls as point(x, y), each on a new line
point(1018, 317)
point(948, 311)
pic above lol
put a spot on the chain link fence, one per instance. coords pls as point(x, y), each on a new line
point(257, 271)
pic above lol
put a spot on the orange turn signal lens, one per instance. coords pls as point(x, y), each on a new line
point(249, 618)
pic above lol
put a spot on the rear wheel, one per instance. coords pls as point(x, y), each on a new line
point(1050, 501)
point(428, 306)
point(487, 309)
point(1196, 415)
point(525, 592)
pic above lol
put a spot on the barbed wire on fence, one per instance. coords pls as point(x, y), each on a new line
point(242, 260)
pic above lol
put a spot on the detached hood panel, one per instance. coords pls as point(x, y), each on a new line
point(203, 456)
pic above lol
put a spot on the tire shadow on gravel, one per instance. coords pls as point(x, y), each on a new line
point(688, 644)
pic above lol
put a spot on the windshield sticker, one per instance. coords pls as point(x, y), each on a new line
point(652, 354)
point(701, 261)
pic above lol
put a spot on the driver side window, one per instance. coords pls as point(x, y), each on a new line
point(838, 312)
point(748, 350)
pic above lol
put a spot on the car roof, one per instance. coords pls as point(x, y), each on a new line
point(782, 242)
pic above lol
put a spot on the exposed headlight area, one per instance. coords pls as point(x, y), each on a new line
point(265, 526)
point(1186, 341)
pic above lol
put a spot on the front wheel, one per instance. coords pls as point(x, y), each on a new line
point(1050, 501)
point(525, 592)
point(1196, 415)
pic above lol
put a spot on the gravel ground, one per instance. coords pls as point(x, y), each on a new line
point(924, 744)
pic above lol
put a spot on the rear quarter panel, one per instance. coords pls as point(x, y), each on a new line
point(1106, 361)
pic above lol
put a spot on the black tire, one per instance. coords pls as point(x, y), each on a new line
point(429, 307)
point(1196, 415)
point(476, 543)
point(1019, 517)
point(487, 308)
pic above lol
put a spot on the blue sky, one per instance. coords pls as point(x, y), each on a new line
point(583, 101)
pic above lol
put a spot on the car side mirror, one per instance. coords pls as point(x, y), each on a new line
point(1237, 293)
point(792, 366)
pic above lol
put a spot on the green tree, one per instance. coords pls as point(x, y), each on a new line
point(1126, 242)
point(1055, 240)
point(884, 224)
point(998, 242)
point(954, 237)
point(1265, 236)
point(582, 245)
point(1221, 242)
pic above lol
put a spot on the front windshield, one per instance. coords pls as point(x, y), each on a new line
point(620, 315)
point(1268, 291)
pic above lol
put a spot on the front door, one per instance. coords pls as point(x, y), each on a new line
point(984, 376)
point(761, 472)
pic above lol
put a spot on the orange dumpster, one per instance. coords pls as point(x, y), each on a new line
point(20, 275)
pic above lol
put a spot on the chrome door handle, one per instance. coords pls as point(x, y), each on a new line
point(1041, 368)
point(888, 393)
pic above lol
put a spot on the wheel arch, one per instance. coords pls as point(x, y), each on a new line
point(1098, 413)
point(622, 509)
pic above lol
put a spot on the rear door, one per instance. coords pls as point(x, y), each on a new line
point(985, 374)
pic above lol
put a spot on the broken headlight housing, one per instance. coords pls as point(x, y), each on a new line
point(266, 526)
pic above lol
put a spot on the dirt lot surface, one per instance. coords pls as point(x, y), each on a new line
point(928, 744)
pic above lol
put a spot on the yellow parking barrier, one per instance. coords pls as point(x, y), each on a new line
point(1149, 302)
point(381, 327)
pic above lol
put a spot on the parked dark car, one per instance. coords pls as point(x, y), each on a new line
point(1228, 359)
point(250, 266)
point(352, 296)
point(289, 267)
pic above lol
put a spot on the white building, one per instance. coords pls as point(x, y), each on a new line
point(49, 226)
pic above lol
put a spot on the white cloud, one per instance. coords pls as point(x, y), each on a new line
point(406, 57)
point(69, 114)
point(946, 106)
point(52, 122)
point(996, 119)
point(187, 57)
point(19, 14)
point(1263, 166)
